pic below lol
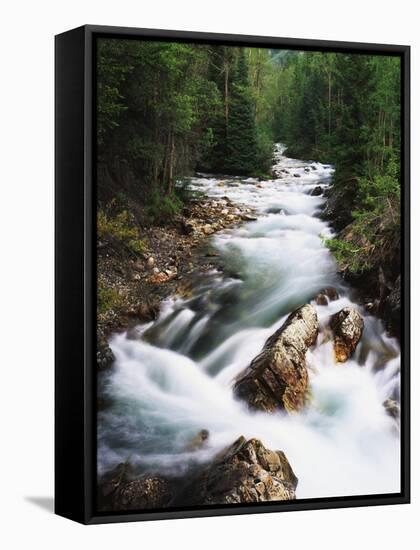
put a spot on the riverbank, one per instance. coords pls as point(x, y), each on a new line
point(368, 254)
point(133, 285)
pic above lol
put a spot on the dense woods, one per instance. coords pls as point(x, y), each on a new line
point(345, 109)
point(166, 110)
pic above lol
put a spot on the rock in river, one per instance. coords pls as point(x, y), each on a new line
point(244, 472)
point(143, 492)
point(317, 191)
point(277, 378)
point(104, 354)
point(347, 326)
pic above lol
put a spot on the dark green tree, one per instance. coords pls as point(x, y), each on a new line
point(242, 144)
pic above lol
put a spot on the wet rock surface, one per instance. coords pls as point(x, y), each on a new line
point(143, 493)
point(392, 408)
point(244, 472)
point(277, 378)
point(347, 326)
point(325, 296)
point(104, 354)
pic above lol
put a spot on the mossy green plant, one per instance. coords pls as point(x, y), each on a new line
point(122, 228)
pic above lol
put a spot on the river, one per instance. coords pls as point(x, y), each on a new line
point(173, 377)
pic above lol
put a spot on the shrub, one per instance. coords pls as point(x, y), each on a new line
point(162, 208)
point(121, 228)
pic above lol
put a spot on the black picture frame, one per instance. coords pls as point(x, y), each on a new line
point(75, 276)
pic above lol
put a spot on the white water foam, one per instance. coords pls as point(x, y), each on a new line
point(164, 391)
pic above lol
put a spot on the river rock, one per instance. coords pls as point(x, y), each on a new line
point(104, 354)
point(347, 326)
point(328, 294)
point(149, 310)
point(244, 472)
point(277, 378)
point(317, 191)
point(142, 493)
point(198, 441)
point(159, 278)
point(331, 293)
point(320, 299)
point(150, 262)
point(392, 408)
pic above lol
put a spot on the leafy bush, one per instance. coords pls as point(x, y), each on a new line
point(346, 254)
point(121, 228)
point(162, 208)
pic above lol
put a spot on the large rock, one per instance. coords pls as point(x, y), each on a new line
point(104, 354)
point(122, 489)
point(347, 326)
point(277, 378)
point(317, 191)
point(392, 407)
point(142, 493)
point(244, 472)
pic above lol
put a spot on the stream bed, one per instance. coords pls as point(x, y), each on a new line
point(173, 377)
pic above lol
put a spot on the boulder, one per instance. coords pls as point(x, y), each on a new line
point(142, 493)
point(277, 378)
point(347, 326)
point(104, 354)
point(321, 299)
point(317, 191)
point(244, 472)
point(149, 310)
point(328, 294)
point(392, 408)
point(331, 293)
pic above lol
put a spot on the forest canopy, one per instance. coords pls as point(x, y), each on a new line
point(168, 109)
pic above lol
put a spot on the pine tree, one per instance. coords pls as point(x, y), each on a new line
point(242, 145)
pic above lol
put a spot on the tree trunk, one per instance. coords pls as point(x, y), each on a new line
point(226, 98)
point(171, 162)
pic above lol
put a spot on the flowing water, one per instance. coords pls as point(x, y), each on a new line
point(173, 377)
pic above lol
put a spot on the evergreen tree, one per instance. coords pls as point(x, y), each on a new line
point(242, 145)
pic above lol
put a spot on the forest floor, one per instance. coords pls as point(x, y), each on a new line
point(131, 287)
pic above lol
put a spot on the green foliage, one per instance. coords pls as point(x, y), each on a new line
point(112, 70)
point(121, 228)
point(345, 109)
point(374, 231)
point(242, 147)
point(347, 255)
point(107, 298)
point(162, 208)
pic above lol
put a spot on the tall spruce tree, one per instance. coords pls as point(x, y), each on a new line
point(242, 143)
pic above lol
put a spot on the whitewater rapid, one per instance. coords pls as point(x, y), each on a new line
point(173, 377)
